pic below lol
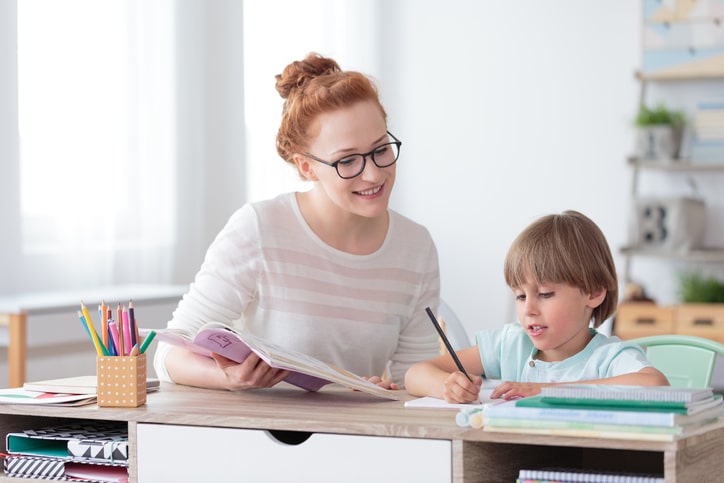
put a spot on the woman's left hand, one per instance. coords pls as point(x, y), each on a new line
point(386, 383)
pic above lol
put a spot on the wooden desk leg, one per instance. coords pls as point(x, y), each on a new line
point(17, 350)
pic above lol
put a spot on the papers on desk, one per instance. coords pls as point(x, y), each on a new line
point(78, 385)
point(19, 395)
point(67, 391)
point(433, 402)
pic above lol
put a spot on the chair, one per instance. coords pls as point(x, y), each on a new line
point(453, 328)
point(685, 360)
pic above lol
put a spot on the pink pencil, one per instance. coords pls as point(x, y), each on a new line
point(113, 327)
point(126, 332)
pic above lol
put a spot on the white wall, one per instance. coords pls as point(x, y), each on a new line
point(508, 111)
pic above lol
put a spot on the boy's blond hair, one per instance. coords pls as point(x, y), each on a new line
point(565, 248)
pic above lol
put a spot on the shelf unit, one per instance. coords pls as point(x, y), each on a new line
point(673, 166)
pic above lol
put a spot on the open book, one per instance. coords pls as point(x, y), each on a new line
point(306, 371)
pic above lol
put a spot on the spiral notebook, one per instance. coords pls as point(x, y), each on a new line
point(611, 392)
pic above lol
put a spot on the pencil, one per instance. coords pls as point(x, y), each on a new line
point(132, 323)
point(119, 320)
point(126, 331)
point(100, 348)
point(104, 322)
point(115, 334)
point(147, 341)
point(445, 341)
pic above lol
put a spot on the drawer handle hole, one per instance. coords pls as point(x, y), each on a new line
point(645, 321)
point(291, 438)
point(708, 322)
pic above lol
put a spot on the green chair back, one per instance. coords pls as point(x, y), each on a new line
point(685, 360)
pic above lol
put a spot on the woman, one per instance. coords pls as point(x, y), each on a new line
point(330, 272)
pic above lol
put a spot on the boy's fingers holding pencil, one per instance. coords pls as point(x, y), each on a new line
point(458, 388)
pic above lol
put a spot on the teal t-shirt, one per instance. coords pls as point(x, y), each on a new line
point(508, 353)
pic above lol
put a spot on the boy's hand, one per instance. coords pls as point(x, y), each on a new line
point(516, 390)
point(458, 389)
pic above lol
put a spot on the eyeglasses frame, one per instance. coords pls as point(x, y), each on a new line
point(335, 164)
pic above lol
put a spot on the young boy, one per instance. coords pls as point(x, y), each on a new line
point(562, 274)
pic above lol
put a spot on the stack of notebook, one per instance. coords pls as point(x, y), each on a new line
point(558, 475)
point(93, 451)
point(607, 411)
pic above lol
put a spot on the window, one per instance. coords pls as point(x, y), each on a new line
point(96, 121)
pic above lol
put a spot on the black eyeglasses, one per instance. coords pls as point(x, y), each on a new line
point(352, 165)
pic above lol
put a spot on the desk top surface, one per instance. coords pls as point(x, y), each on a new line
point(332, 410)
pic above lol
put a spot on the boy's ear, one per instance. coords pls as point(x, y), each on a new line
point(305, 167)
point(596, 297)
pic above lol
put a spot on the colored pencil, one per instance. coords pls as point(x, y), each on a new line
point(100, 348)
point(147, 341)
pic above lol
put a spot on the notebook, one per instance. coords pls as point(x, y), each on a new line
point(611, 392)
point(78, 385)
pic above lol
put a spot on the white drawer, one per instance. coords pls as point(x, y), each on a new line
point(187, 453)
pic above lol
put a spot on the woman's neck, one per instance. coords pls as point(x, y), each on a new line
point(341, 229)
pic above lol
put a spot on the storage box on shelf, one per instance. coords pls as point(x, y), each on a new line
point(641, 319)
point(703, 320)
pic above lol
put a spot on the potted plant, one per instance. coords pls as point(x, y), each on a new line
point(702, 310)
point(696, 288)
point(659, 133)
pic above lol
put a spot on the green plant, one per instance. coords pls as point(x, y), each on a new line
point(696, 288)
point(661, 115)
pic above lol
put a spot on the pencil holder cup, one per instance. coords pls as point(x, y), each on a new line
point(121, 381)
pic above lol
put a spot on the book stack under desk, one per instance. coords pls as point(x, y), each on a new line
point(562, 475)
point(94, 451)
point(614, 412)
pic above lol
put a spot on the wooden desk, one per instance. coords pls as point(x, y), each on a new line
point(474, 455)
point(15, 311)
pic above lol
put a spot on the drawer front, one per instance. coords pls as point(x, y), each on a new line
point(702, 320)
point(643, 319)
point(186, 453)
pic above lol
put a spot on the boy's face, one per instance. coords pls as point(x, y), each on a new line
point(556, 317)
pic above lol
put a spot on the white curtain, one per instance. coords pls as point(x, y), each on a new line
point(143, 125)
point(96, 117)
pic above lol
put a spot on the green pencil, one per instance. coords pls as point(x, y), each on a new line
point(147, 341)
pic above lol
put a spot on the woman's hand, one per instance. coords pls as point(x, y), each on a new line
point(251, 373)
point(383, 383)
point(516, 390)
point(457, 388)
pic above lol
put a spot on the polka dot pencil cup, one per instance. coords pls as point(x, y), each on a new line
point(121, 381)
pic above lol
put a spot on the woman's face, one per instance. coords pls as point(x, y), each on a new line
point(353, 130)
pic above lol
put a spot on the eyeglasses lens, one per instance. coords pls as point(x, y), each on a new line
point(383, 156)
